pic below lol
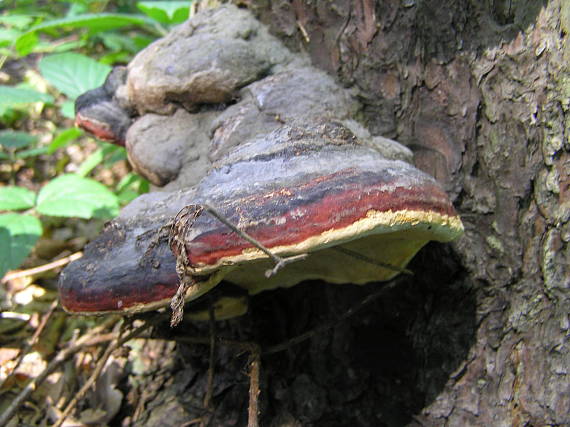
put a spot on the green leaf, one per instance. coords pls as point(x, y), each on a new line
point(50, 47)
point(26, 42)
point(32, 152)
point(72, 73)
point(130, 187)
point(64, 138)
point(67, 109)
point(5, 251)
point(13, 96)
point(7, 36)
point(126, 196)
point(93, 21)
point(16, 21)
point(96, 158)
point(166, 12)
point(15, 139)
point(128, 180)
point(116, 42)
point(18, 235)
point(118, 154)
point(74, 196)
point(15, 198)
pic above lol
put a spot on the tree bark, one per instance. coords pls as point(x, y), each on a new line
point(480, 336)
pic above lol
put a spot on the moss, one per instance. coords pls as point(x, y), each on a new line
point(495, 243)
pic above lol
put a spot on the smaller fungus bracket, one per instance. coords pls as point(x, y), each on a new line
point(102, 112)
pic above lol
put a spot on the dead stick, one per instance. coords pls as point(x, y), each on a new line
point(350, 312)
point(33, 340)
point(210, 386)
point(62, 356)
point(42, 268)
point(369, 260)
point(253, 407)
point(118, 342)
point(280, 262)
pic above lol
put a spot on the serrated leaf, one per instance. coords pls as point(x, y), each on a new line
point(72, 73)
point(74, 196)
point(166, 12)
point(15, 198)
point(15, 139)
point(14, 96)
point(19, 234)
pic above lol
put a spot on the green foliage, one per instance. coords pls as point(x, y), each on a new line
point(165, 12)
point(75, 196)
point(18, 235)
point(64, 138)
point(28, 41)
point(16, 198)
point(70, 34)
point(105, 152)
point(20, 98)
point(130, 187)
point(10, 139)
point(73, 74)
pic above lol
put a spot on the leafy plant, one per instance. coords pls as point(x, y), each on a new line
point(54, 31)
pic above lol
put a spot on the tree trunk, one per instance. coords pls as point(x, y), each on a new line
point(480, 335)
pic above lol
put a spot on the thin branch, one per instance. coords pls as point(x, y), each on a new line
point(212, 364)
point(25, 350)
point(369, 260)
point(42, 268)
point(90, 338)
point(253, 407)
point(118, 342)
point(280, 262)
point(320, 329)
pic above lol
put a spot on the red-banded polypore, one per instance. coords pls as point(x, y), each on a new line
point(302, 189)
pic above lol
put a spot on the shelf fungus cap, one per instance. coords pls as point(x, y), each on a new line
point(313, 188)
point(104, 111)
point(310, 187)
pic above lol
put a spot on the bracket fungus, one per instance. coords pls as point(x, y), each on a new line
point(296, 182)
point(307, 189)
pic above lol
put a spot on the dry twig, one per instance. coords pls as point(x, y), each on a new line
point(90, 338)
point(280, 262)
point(33, 340)
point(42, 268)
point(349, 313)
point(118, 341)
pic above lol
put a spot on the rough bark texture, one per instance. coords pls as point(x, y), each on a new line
point(480, 336)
